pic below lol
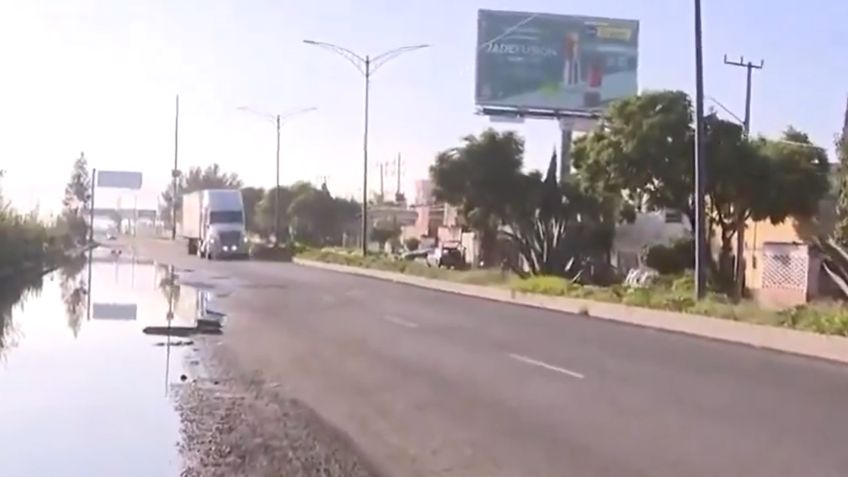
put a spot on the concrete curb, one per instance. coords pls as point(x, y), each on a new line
point(832, 348)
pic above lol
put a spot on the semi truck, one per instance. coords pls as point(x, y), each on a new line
point(213, 224)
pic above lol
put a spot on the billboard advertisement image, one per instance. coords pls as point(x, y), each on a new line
point(555, 62)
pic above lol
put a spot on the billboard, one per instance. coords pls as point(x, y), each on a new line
point(119, 179)
point(554, 62)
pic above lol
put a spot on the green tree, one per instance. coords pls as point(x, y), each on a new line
point(760, 180)
point(251, 196)
point(642, 152)
point(265, 212)
point(798, 177)
point(412, 244)
point(75, 201)
point(841, 228)
point(311, 216)
point(211, 177)
point(482, 177)
point(317, 218)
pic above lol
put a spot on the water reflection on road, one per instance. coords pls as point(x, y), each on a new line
point(87, 358)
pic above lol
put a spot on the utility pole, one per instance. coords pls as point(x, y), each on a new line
point(382, 174)
point(749, 67)
point(701, 249)
point(399, 174)
point(175, 174)
point(739, 265)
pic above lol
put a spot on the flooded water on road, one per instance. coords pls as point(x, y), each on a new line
point(88, 357)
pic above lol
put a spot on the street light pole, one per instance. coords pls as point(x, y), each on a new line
point(277, 190)
point(366, 66)
point(175, 173)
point(279, 120)
point(700, 169)
point(365, 159)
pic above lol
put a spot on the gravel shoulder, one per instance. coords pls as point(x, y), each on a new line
point(234, 424)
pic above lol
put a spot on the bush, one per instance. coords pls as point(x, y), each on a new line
point(670, 292)
point(827, 318)
point(411, 244)
point(283, 253)
point(26, 241)
point(546, 285)
point(674, 258)
point(392, 264)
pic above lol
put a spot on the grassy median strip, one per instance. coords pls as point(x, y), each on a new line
point(668, 293)
point(385, 263)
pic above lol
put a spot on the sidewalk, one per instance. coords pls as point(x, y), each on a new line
point(802, 343)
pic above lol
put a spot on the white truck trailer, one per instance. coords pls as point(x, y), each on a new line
point(213, 224)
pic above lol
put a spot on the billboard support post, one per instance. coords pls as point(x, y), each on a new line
point(565, 152)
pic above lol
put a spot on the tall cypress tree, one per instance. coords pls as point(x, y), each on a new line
point(841, 228)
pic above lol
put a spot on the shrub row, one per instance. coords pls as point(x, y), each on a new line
point(670, 293)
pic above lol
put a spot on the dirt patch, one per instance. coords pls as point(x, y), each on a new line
point(236, 425)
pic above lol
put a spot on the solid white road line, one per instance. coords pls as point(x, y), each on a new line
point(549, 367)
point(400, 322)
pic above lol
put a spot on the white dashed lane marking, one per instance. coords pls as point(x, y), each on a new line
point(400, 322)
point(549, 367)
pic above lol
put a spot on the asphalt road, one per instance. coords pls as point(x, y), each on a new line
point(430, 383)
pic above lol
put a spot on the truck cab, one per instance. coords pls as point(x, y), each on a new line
point(213, 224)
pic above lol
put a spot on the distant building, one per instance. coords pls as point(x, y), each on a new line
point(424, 192)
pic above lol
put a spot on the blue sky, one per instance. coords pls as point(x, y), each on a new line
point(100, 77)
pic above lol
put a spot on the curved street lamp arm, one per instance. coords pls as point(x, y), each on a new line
point(356, 60)
point(296, 112)
point(387, 56)
point(261, 114)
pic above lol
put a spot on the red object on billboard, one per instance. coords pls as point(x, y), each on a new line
point(596, 75)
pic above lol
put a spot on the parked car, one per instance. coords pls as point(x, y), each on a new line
point(446, 256)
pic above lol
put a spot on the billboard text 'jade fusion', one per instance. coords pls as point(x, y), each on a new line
point(555, 62)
